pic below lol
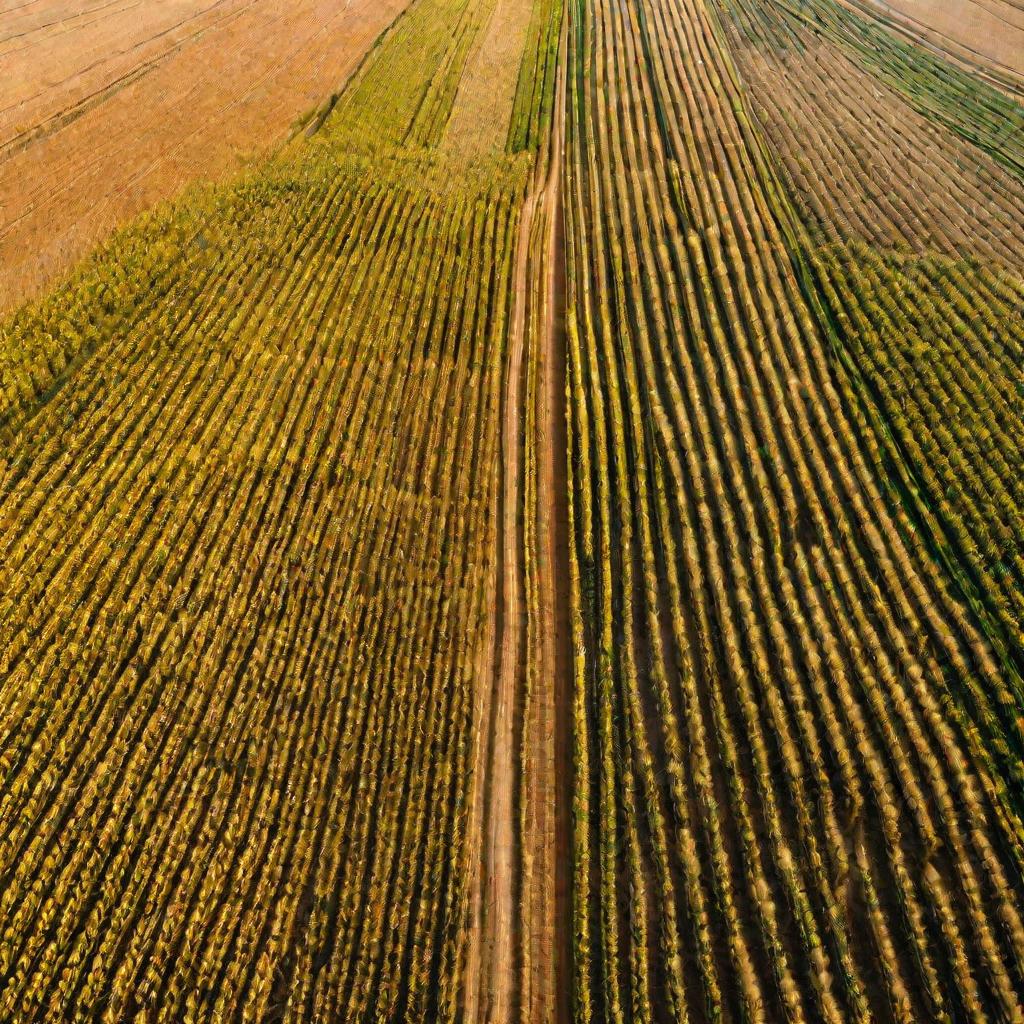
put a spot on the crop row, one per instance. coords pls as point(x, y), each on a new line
point(781, 812)
point(915, 242)
point(535, 92)
point(246, 492)
point(227, 665)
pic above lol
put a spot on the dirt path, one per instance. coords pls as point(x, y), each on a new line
point(551, 955)
point(489, 973)
point(492, 982)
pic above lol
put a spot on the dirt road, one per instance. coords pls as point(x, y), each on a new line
point(493, 992)
point(549, 994)
point(489, 974)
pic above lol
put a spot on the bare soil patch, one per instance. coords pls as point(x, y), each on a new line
point(985, 31)
point(108, 106)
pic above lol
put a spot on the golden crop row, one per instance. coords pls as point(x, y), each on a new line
point(782, 810)
point(246, 488)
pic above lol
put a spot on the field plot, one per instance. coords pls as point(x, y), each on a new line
point(985, 34)
point(784, 807)
point(107, 107)
point(247, 482)
point(543, 545)
point(925, 286)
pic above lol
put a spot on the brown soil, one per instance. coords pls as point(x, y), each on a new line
point(489, 993)
point(547, 730)
point(554, 912)
point(978, 31)
point(108, 106)
point(492, 993)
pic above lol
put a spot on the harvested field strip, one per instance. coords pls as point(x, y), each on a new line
point(194, 104)
point(478, 130)
point(102, 64)
point(978, 112)
point(987, 38)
